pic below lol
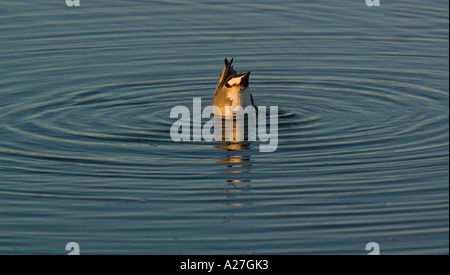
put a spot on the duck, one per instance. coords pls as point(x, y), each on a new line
point(233, 89)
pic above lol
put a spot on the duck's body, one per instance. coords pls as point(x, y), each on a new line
point(233, 89)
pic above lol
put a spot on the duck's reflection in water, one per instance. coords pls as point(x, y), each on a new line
point(237, 161)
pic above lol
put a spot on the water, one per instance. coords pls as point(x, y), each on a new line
point(86, 154)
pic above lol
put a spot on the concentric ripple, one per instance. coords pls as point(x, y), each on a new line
point(365, 143)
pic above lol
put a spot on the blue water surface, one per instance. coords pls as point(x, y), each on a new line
point(86, 154)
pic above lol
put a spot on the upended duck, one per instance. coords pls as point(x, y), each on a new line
point(233, 89)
